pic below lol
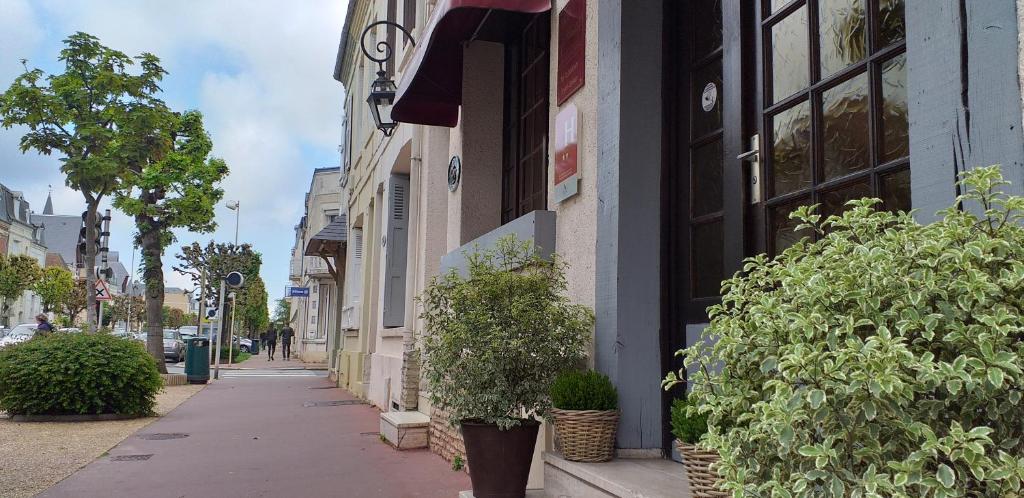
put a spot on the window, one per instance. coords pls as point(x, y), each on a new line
point(409, 17)
point(835, 108)
point(391, 36)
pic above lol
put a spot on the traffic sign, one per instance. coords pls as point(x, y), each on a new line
point(298, 292)
point(102, 291)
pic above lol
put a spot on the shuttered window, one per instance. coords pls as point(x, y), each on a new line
point(396, 246)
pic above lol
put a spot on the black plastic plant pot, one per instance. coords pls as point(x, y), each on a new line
point(499, 461)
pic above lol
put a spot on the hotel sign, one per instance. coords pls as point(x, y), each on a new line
point(572, 48)
point(567, 173)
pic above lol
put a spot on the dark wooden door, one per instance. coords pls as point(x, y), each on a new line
point(525, 168)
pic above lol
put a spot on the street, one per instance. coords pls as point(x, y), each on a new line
point(264, 432)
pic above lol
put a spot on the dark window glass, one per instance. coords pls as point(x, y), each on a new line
point(846, 139)
point(842, 28)
point(782, 229)
point(791, 149)
point(409, 17)
point(708, 15)
point(707, 178)
point(895, 126)
point(789, 55)
point(896, 190)
point(833, 202)
point(891, 22)
point(707, 257)
point(707, 101)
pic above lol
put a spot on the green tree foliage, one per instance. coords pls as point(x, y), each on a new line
point(494, 342)
point(174, 318)
point(54, 287)
point(129, 309)
point(584, 390)
point(17, 275)
point(216, 261)
point(78, 114)
point(75, 303)
point(885, 359)
point(170, 182)
point(68, 374)
point(252, 313)
point(282, 312)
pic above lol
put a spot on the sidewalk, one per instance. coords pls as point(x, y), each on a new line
point(260, 361)
point(264, 436)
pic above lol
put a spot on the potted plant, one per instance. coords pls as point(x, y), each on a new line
point(494, 340)
point(688, 425)
point(586, 416)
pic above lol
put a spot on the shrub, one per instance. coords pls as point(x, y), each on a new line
point(584, 390)
point(688, 424)
point(884, 359)
point(83, 373)
point(495, 341)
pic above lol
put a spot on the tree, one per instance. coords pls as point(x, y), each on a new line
point(54, 287)
point(76, 302)
point(282, 311)
point(216, 261)
point(129, 309)
point(17, 275)
point(77, 115)
point(170, 183)
point(174, 318)
point(253, 313)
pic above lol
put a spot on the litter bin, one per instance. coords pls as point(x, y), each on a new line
point(197, 361)
point(254, 348)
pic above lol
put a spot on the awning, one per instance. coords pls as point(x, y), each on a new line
point(430, 91)
point(331, 240)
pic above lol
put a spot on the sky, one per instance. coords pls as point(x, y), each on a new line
point(260, 71)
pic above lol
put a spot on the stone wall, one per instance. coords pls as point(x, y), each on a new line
point(445, 440)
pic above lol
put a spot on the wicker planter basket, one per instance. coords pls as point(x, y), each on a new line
point(697, 463)
point(586, 435)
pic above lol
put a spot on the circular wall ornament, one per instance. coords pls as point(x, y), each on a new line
point(709, 97)
point(454, 173)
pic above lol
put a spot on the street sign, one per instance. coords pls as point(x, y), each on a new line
point(298, 292)
point(102, 291)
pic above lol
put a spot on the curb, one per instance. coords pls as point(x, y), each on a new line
point(91, 417)
point(174, 379)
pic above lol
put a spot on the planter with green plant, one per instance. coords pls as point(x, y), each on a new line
point(586, 416)
point(493, 343)
point(885, 358)
point(688, 425)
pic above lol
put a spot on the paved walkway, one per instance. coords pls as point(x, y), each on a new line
point(264, 433)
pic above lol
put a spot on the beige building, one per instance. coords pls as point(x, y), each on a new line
point(315, 317)
point(23, 238)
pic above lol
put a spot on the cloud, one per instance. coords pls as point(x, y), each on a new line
point(259, 70)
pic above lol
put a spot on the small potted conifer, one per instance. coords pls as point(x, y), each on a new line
point(586, 416)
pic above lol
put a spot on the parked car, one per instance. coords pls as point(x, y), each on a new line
point(70, 330)
point(19, 334)
point(174, 347)
point(244, 344)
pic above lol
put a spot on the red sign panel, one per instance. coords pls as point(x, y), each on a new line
point(572, 48)
point(566, 144)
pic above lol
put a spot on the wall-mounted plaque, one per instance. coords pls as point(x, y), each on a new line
point(454, 173)
point(567, 173)
point(572, 48)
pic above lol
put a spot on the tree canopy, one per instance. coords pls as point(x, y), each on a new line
point(54, 287)
point(17, 275)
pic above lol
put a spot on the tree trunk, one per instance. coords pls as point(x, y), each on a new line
point(92, 207)
point(153, 275)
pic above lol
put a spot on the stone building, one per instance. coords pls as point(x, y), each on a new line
point(653, 144)
point(22, 238)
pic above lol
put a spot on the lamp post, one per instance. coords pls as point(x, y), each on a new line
point(382, 90)
point(235, 206)
point(231, 340)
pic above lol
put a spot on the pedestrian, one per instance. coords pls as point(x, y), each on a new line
point(271, 343)
point(43, 327)
point(263, 340)
point(287, 334)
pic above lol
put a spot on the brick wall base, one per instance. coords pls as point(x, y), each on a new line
point(446, 440)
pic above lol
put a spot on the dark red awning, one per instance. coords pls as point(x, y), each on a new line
point(430, 91)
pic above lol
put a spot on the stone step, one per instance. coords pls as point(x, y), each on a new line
point(622, 477)
point(405, 430)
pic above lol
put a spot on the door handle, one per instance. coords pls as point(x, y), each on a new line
point(753, 156)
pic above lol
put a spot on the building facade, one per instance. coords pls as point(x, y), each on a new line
point(24, 238)
point(653, 144)
point(315, 317)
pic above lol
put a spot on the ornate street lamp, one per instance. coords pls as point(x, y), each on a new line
point(382, 90)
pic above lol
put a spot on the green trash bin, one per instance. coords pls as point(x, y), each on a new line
point(254, 348)
point(197, 361)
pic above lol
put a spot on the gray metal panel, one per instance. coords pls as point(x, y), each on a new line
point(628, 294)
point(964, 96)
point(538, 226)
point(397, 248)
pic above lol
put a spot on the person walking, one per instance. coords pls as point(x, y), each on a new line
point(263, 340)
point(271, 343)
point(287, 334)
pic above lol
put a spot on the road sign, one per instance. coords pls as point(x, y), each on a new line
point(102, 291)
point(298, 292)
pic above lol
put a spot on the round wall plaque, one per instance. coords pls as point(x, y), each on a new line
point(454, 173)
point(709, 97)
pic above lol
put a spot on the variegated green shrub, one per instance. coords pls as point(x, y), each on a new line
point(884, 359)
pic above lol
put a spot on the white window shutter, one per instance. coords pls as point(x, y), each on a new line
point(396, 247)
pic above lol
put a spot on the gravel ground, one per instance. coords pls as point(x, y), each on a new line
point(34, 456)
